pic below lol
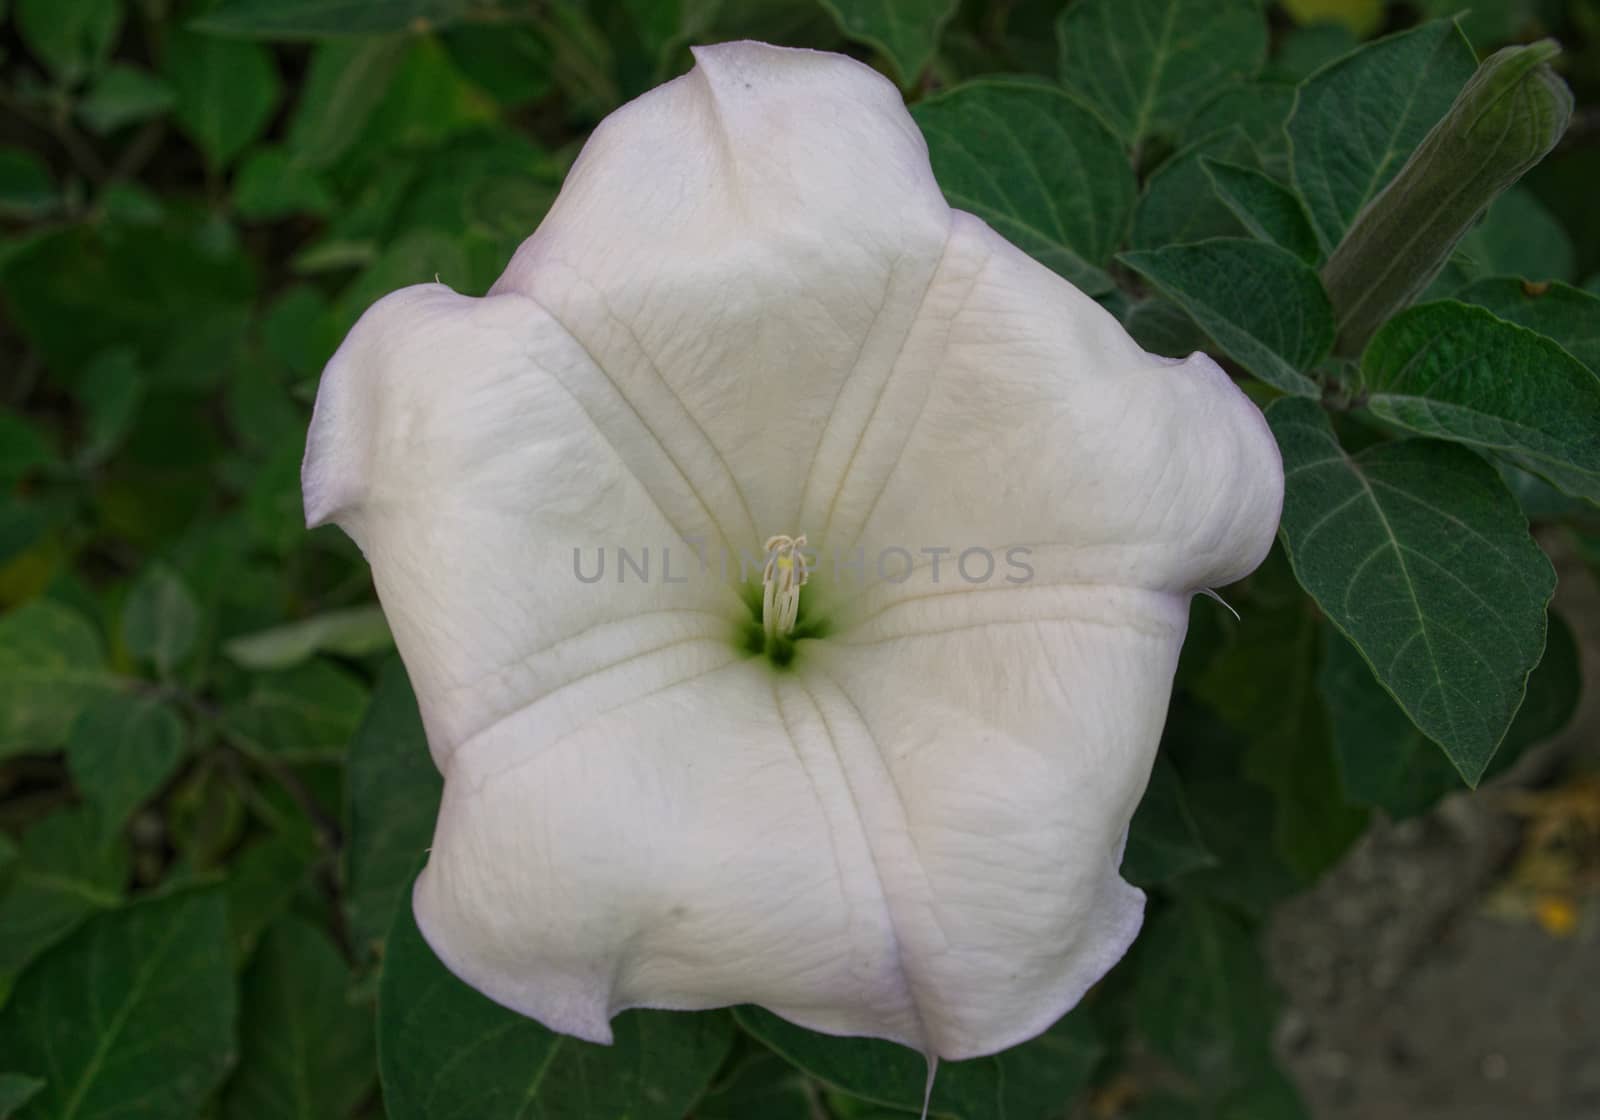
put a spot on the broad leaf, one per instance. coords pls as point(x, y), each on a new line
point(1518, 237)
point(69, 868)
point(1569, 315)
point(160, 618)
point(1178, 204)
point(1419, 554)
point(121, 750)
point(1027, 1082)
point(1238, 820)
point(70, 37)
point(906, 31)
point(261, 883)
point(1267, 209)
point(762, 1087)
point(393, 790)
point(303, 714)
point(1357, 120)
point(1259, 110)
point(1262, 682)
point(1263, 306)
point(446, 1052)
point(271, 185)
point(132, 1016)
point(353, 632)
point(1458, 372)
point(315, 19)
point(1202, 997)
point(1036, 166)
point(52, 664)
point(1145, 65)
point(16, 1090)
point(346, 83)
point(305, 1049)
point(226, 92)
point(1386, 762)
point(1163, 839)
point(122, 96)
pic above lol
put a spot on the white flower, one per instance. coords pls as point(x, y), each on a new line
point(751, 314)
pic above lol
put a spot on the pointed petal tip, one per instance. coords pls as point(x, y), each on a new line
point(560, 1002)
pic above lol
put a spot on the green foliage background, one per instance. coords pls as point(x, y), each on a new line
point(216, 789)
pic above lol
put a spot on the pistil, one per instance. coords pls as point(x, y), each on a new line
point(781, 580)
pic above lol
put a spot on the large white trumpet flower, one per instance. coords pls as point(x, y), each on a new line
point(865, 788)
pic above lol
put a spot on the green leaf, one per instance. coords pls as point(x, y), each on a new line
point(1357, 120)
point(906, 31)
point(226, 92)
point(353, 632)
point(1419, 554)
point(513, 64)
point(446, 1052)
point(305, 1049)
point(1307, 49)
point(160, 618)
point(68, 869)
point(1267, 209)
point(71, 37)
point(261, 883)
point(24, 447)
point(1315, 825)
point(140, 1012)
point(91, 287)
point(1202, 996)
point(1386, 762)
point(52, 665)
point(428, 101)
point(27, 191)
point(271, 184)
point(1262, 305)
point(1458, 372)
point(316, 19)
point(1259, 110)
point(1518, 237)
point(302, 714)
point(1164, 328)
point(1569, 315)
point(1027, 1082)
point(122, 96)
point(16, 1090)
point(121, 750)
point(762, 1087)
point(1145, 65)
point(344, 87)
point(1163, 840)
point(393, 791)
point(1178, 204)
point(109, 393)
point(1038, 168)
point(1238, 820)
point(1262, 682)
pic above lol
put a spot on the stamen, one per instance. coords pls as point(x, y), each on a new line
point(785, 574)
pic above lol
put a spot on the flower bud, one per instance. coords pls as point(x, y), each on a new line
point(1506, 118)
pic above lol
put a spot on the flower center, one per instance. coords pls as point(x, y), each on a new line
point(784, 613)
point(785, 574)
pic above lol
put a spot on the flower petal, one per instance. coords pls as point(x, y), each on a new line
point(732, 248)
point(448, 443)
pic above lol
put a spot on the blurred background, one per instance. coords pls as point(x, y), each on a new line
point(196, 202)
